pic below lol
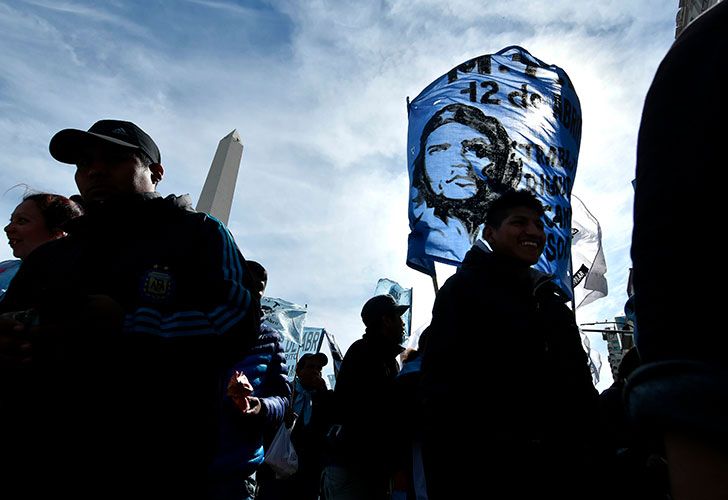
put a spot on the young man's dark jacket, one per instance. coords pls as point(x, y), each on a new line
point(502, 339)
point(135, 409)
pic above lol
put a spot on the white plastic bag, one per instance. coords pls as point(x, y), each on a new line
point(281, 456)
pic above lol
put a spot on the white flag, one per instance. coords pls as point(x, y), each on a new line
point(594, 359)
point(285, 317)
point(587, 256)
point(402, 295)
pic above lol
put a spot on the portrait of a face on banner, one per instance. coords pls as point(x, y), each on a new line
point(497, 122)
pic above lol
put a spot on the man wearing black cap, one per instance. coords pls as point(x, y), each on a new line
point(143, 310)
point(362, 464)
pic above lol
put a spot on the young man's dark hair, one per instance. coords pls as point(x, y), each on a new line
point(498, 210)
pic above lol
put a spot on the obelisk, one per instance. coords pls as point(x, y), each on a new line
point(216, 198)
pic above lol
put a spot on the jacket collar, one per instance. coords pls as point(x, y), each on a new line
point(480, 256)
point(382, 346)
point(127, 207)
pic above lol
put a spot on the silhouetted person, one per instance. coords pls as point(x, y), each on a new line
point(364, 460)
point(503, 340)
point(680, 393)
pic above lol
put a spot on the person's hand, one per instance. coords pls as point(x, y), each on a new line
point(255, 406)
point(319, 384)
point(239, 388)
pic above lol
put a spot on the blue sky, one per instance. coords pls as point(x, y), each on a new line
point(316, 90)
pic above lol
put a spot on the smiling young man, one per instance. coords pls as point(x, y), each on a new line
point(527, 368)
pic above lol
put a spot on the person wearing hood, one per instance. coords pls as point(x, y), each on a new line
point(143, 309)
point(362, 458)
point(529, 373)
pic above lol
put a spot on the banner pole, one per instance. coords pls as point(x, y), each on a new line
point(571, 279)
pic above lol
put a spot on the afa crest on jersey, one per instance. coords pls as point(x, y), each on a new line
point(158, 284)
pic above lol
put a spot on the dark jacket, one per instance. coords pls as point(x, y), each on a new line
point(364, 401)
point(502, 335)
point(140, 406)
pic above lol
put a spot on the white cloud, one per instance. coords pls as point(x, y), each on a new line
point(317, 92)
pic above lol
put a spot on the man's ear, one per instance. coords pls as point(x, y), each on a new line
point(157, 172)
point(488, 233)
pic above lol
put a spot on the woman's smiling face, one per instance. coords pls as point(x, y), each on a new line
point(27, 229)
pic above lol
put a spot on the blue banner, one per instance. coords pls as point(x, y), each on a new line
point(496, 122)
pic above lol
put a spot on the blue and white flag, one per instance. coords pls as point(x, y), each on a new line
point(311, 340)
point(497, 122)
point(403, 296)
point(285, 317)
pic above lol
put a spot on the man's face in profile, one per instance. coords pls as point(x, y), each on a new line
point(454, 158)
point(393, 327)
point(309, 373)
point(105, 170)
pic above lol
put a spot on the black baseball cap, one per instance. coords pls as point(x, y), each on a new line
point(66, 145)
point(322, 359)
point(381, 305)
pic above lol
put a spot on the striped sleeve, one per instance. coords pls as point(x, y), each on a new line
point(227, 270)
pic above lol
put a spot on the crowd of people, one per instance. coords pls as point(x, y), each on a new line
point(134, 360)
